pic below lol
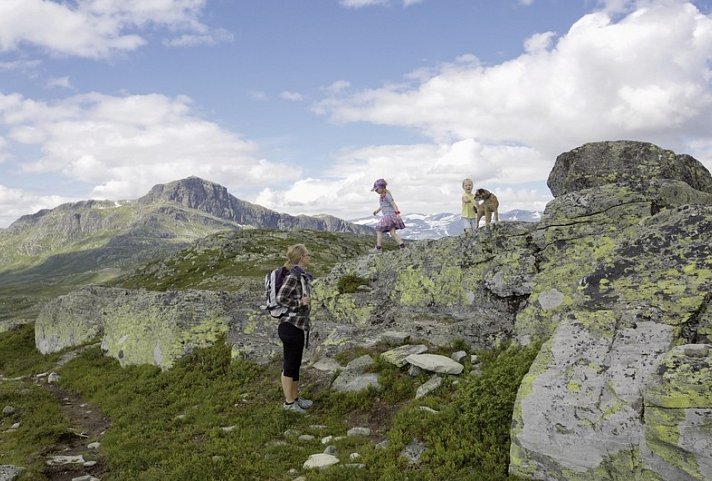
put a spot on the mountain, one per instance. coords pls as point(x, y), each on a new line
point(437, 226)
point(214, 199)
point(92, 241)
point(170, 214)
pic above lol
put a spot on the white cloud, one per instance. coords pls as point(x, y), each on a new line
point(424, 178)
point(539, 42)
point(125, 145)
point(3, 154)
point(601, 80)
point(27, 67)
point(15, 203)
point(258, 95)
point(208, 38)
point(62, 82)
point(291, 96)
point(362, 3)
point(503, 125)
point(371, 3)
point(97, 28)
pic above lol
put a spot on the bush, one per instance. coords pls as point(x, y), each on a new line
point(350, 284)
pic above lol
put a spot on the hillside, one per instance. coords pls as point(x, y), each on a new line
point(75, 244)
point(238, 260)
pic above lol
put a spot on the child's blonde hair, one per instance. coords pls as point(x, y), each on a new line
point(295, 254)
point(467, 180)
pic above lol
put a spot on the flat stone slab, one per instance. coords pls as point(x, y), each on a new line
point(320, 461)
point(9, 472)
point(429, 386)
point(398, 355)
point(62, 460)
point(435, 363)
point(327, 364)
point(353, 382)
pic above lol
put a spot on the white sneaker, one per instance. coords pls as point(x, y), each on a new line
point(304, 403)
point(294, 407)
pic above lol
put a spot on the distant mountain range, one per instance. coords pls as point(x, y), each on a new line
point(102, 237)
point(95, 240)
point(436, 226)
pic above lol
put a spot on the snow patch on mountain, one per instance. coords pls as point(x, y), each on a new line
point(437, 226)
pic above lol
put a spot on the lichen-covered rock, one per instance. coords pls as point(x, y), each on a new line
point(579, 412)
point(158, 328)
point(73, 319)
point(598, 163)
point(136, 327)
point(583, 230)
point(663, 274)
point(466, 287)
point(678, 415)
point(576, 232)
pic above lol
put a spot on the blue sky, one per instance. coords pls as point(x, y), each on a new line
point(300, 105)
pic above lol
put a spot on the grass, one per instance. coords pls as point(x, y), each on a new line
point(18, 356)
point(168, 424)
point(236, 259)
point(41, 423)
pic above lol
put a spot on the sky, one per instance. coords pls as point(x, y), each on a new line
point(300, 105)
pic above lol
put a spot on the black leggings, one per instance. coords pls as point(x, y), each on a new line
point(293, 341)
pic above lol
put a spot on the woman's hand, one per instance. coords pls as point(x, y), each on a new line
point(376, 211)
point(306, 300)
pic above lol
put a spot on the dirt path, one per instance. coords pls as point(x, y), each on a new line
point(87, 424)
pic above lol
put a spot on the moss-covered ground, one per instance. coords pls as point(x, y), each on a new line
point(168, 424)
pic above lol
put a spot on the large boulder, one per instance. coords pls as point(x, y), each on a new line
point(579, 412)
point(580, 230)
point(600, 163)
point(136, 326)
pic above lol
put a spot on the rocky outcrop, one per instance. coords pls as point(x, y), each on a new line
point(625, 274)
point(601, 163)
point(467, 287)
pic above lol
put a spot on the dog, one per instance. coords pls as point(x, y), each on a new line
point(488, 206)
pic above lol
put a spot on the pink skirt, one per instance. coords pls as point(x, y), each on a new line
point(390, 221)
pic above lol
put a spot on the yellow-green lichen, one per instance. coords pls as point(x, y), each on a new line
point(415, 288)
point(662, 435)
point(625, 464)
point(149, 336)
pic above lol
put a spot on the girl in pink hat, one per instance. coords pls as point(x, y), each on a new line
point(391, 220)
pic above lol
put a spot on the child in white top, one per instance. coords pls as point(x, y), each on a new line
point(469, 206)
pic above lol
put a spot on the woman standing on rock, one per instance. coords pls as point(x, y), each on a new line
point(294, 324)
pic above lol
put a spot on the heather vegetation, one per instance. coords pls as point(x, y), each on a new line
point(213, 417)
point(234, 260)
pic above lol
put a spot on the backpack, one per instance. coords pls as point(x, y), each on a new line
point(273, 282)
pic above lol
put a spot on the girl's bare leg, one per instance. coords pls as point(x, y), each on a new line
point(396, 237)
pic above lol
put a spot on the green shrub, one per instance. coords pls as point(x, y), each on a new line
point(467, 440)
point(350, 284)
point(167, 424)
point(18, 355)
point(41, 424)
